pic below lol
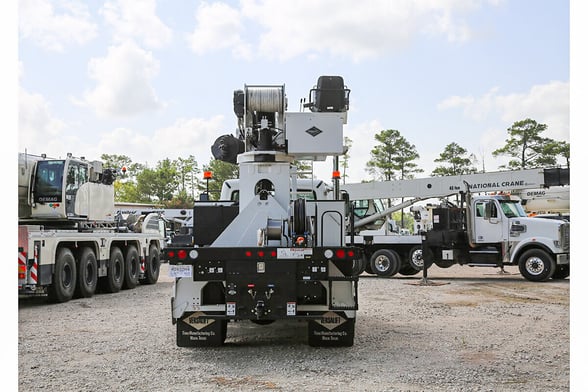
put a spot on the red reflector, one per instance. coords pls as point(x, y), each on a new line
point(340, 253)
point(182, 254)
point(250, 286)
point(22, 276)
point(274, 253)
point(260, 253)
point(350, 253)
point(171, 254)
point(248, 253)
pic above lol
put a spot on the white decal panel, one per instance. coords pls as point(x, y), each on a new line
point(180, 271)
point(294, 253)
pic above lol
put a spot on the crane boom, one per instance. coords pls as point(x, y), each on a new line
point(448, 185)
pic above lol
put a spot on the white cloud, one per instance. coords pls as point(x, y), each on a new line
point(185, 137)
point(336, 27)
point(218, 26)
point(197, 136)
point(123, 80)
point(547, 104)
point(133, 19)
point(53, 25)
point(37, 128)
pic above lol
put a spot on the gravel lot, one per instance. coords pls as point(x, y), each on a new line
point(473, 330)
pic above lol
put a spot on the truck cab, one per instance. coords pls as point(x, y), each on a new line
point(494, 230)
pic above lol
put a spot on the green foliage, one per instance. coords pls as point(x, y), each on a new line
point(221, 171)
point(347, 142)
point(457, 159)
point(527, 148)
point(181, 200)
point(113, 161)
point(393, 157)
point(159, 184)
point(403, 219)
point(188, 175)
point(303, 168)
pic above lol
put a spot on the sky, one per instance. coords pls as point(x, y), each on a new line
point(154, 80)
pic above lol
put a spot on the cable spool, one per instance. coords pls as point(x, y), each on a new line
point(265, 99)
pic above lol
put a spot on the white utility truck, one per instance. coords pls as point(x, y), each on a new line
point(270, 255)
point(70, 242)
point(504, 238)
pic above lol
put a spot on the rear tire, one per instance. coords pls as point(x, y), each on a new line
point(385, 262)
point(561, 272)
point(87, 274)
point(132, 268)
point(416, 259)
point(152, 266)
point(536, 265)
point(408, 270)
point(113, 281)
point(359, 266)
point(64, 277)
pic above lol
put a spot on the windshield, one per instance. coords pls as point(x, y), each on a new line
point(512, 209)
point(364, 208)
point(49, 181)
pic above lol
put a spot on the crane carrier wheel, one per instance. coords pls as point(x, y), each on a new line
point(64, 277)
point(385, 262)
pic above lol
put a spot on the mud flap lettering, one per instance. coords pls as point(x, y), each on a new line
point(194, 329)
point(332, 329)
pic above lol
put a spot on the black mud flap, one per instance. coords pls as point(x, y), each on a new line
point(195, 330)
point(333, 329)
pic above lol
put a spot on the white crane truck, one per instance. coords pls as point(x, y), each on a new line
point(540, 248)
point(270, 255)
point(387, 252)
point(70, 243)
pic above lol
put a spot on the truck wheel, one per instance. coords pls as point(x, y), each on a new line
point(112, 282)
point(87, 274)
point(132, 267)
point(408, 270)
point(359, 266)
point(561, 272)
point(444, 263)
point(368, 267)
point(416, 260)
point(536, 265)
point(64, 277)
point(299, 216)
point(385, 262)
point(152, 266)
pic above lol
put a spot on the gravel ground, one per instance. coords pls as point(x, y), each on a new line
point(472, 330)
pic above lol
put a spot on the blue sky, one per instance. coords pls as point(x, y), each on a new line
point(153, 79)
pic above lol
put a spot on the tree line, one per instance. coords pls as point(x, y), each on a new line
point(177, 183)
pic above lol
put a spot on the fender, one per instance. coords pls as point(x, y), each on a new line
point(518, 247)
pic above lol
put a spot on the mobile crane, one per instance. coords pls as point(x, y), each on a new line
point(270, 255)
point(506, 236)
point(70, 242)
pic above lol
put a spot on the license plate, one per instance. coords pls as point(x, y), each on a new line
point(293, 253)
point(180, 271)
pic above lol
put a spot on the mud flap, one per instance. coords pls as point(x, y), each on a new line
point(333, 329)
point(195, 330)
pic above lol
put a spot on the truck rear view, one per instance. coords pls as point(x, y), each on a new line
point(270, 255)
